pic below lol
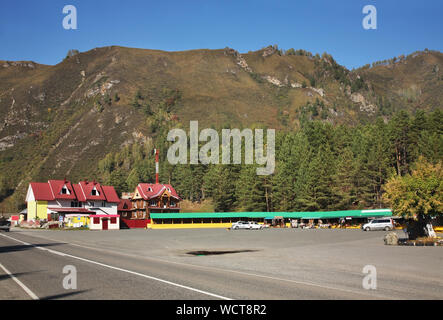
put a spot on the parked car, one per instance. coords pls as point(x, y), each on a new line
point(5, 224)
point(379, 224)
point(249, 225)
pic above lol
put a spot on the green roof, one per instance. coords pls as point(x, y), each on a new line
point(294, 215)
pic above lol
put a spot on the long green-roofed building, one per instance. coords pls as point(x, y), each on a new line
point(225, 219)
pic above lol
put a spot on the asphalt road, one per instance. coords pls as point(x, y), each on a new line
point(274, 264)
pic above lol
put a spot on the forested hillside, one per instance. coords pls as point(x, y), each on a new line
point(318, 167)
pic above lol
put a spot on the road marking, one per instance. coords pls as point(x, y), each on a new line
point(299, 282)
point(226, 270)
point(234, 271)
point(118, 269)
point(27, 290)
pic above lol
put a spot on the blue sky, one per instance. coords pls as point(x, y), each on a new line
point(32, 30)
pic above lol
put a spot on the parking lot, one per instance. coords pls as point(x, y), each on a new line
point(331, 260)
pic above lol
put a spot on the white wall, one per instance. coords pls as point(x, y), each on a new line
point(111, 208)
point(99, 226)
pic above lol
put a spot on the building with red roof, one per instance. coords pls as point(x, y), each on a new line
point(149, 198)
point(153, 198)
point(60, 198)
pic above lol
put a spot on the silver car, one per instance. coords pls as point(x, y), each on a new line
point(379, 224)
point(248, 225)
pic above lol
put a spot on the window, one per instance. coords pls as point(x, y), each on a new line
point(104, 204)
point(96, 220)
point(75, 204)
point(153, 203)
point(113, 220)
point(94, 192)
point(172, 203)
point(149, 189)
point(64, 190)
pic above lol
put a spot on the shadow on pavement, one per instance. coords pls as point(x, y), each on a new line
point(22, 247)
point(63, 295)
point(212, 253)
point(17, 275)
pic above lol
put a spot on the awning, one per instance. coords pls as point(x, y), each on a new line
point(74, 215)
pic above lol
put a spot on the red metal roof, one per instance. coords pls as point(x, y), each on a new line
point(87, 188)
point(82, 191)
point(79, 193)
point(56, 189)
point(124, 205)
point(110, 194)
point(104, 216)
point(154, 190)
point(42, 191)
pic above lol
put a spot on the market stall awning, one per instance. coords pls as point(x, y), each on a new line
point(266, 215)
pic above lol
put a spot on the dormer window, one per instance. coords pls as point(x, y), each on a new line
point(95, 192)
point(149, 189)
point(169, 189)
point(64, 190)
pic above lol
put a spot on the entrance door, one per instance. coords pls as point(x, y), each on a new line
point(105, 224)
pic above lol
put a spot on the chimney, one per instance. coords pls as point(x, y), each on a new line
point(156, 166)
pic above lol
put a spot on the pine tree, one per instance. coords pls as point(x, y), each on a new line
point(399, 127)
point(223, 190)
point(250, 190)
point(344, 188)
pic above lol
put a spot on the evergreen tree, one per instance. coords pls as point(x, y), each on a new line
point(344, 188)
point(250, 190)
point(223, 189)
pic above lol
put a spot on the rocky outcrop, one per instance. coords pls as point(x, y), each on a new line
point(273, 81)
point(364, 105)
point(25, 64)
point(269, 51)
point(391, 239)
point(241, 62)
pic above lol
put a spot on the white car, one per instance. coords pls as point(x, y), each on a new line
point(379, 224)
point(246, 225)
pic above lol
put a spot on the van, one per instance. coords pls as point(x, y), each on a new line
point(379, 224)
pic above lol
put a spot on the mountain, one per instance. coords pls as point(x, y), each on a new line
point(59, 121)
